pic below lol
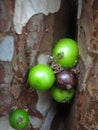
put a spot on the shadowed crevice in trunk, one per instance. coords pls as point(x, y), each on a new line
point(67, 16)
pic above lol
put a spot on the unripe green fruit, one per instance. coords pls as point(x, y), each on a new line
point(19, 119)
point(66, 53)
point(41, 77)
point(61, 95)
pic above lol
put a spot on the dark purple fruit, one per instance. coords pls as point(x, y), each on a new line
point(66, 79)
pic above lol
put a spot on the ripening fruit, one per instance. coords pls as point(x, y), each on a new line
point(66, 79)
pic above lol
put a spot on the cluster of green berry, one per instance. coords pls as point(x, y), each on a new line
point(42, 77)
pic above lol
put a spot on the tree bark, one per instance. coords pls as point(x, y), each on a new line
point(38, 37)
point(84, 110)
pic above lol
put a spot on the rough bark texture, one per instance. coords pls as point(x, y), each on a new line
point(84, 111)
point(18, 53)
point(21, 52)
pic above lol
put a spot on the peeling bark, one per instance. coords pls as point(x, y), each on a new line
point(37, 41)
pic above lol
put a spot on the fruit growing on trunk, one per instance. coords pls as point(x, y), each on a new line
point(66, 79)
point(62, 96)
point(65, 53)
point(41, 77)
point(19, 119)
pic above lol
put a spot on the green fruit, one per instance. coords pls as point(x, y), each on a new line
point(61, 95)
point(66, 52)
point(19, 119)
point(41, 77)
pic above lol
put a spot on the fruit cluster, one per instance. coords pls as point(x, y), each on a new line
point(56, 76)
point(63, 82)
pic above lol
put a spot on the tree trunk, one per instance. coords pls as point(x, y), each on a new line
point(84, 111)
point(19, 52)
